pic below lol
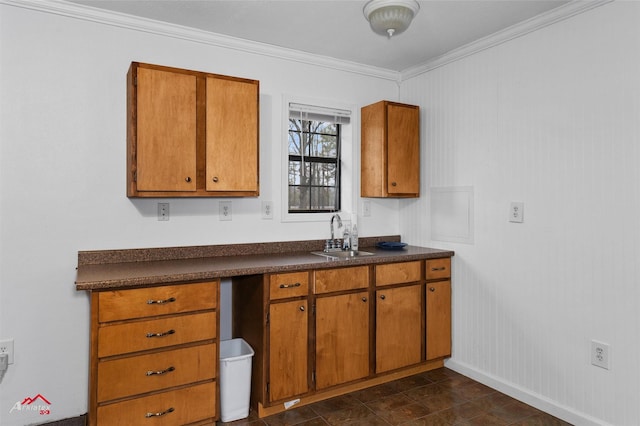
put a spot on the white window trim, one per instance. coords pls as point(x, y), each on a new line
point(349, 162)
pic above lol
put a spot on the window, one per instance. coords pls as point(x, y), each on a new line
point(314, 154)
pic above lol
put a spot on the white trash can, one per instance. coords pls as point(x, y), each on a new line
point(235, 379)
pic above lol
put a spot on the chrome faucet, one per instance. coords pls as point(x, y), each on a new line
point(332, 244)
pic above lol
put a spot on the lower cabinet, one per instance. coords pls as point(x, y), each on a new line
point(288, 349)
point(399, 327)
point(342, 339)
point(318, 333)
point(271, 313)
point(438, 319)
point(438, 308)
point(399, 315)
point(342, 325)
point(154, 355)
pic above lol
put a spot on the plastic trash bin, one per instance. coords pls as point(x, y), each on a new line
point(235, 379)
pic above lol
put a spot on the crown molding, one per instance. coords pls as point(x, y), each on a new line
point(150, 26)
point(87, 13)
point(558, 14)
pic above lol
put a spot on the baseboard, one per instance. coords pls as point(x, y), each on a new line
point(530, 398)
point(74, 421)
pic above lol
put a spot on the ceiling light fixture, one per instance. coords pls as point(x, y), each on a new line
point(390, 17)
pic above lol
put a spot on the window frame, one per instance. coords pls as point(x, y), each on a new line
point(348, 161)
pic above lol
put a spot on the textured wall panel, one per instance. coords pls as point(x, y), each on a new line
point(550, 119)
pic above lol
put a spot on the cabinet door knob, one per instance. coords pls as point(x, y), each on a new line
point(215, 179)
point(302, 308)
point(187, 179)
point(383, 297)
point(394, 184)
point(432, 289)
point(364, 299)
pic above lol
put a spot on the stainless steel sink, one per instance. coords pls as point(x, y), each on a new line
point(347, 254)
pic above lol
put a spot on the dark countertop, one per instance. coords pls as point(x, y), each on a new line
point(99, 270)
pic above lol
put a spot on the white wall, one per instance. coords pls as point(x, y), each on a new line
point(62, 177)
point(551, 119)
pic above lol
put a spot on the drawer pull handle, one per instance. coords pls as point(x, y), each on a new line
point(167, 411)
point(302, 308)
point(166, 333)
point(432, 289)
point(364, 299)
point(383, 297)
point(160, 372)
point(161, 302)
point(289, 285)
point(442, 268)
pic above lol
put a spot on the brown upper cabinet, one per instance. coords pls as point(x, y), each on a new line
point(390, 150)
point(191, 134)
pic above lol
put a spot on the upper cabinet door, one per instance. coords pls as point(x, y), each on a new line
point(390, 150)
point(403, 149)
point(166, 131)
point(191, 134)
point(232, 135)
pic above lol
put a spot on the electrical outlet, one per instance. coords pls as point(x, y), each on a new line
point(225, 210)
point(267, 210)
point(6, 347)
point(600, 354)
point(163, 211)
point(366, 208)
point(516, 212)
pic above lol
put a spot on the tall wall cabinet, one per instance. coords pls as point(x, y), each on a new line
point(191, 134)
point(390, 150)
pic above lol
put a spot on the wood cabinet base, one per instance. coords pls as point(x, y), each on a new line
point(352, 387)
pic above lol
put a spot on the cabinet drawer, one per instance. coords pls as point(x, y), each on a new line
point(147, 302)
point(329, 280)
point(172, 408)
point(438, 268)
point(395, 273)
point(288, 285)
point(139, 374)
point(158, 333)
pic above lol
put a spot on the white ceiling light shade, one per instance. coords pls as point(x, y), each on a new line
point(390, 17)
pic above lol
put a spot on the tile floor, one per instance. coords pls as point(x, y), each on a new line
point(438, 397)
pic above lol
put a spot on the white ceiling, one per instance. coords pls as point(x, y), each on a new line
point(338, 29)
